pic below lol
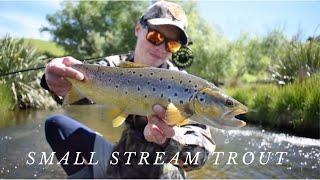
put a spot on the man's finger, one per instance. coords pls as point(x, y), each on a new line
point(167, 130)
point(72, 73)
point(66, 72)
point(160, 111)
point(69, 61)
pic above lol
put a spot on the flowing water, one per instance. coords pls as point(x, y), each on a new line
point(249, 152)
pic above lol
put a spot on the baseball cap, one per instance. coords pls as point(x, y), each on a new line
point(167, 13)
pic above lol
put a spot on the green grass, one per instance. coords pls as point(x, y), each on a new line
point(21, 90)
point(47, 47)
point(294, 108)
point(6, 101)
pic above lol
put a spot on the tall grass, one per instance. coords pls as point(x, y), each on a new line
point(292, 108)
point(23, 88)
point(300, 60)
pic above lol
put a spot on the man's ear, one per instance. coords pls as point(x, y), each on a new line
point(137, 29)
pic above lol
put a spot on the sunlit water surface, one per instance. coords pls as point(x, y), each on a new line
point(24, 132)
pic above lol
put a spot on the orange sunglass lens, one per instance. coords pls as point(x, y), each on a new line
point(155, 37)
point(173, 46)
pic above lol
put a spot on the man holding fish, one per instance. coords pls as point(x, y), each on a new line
point(150, 95)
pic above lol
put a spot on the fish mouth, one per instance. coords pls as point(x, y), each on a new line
point(233, 113)
point(229, 121)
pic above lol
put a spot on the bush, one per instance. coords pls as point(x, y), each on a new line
point(299, 61)
point(24, 88)
point(294, 108)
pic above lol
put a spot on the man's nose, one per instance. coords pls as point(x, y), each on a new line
point(161, 48)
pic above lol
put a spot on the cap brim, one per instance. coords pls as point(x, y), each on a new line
point(164, 21)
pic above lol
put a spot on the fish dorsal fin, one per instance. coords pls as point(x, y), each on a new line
point(175, 116)
point(73, 96)
point(117, 115)
point(126, 64)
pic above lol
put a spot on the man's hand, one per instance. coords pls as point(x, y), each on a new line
point(56, 72)
point(157, 130)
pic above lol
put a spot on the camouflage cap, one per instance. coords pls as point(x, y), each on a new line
point(167, 13)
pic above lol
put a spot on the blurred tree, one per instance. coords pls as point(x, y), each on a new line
point(95, 28)
point(210, 48)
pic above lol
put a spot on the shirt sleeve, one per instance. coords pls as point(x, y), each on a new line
point(193, 143)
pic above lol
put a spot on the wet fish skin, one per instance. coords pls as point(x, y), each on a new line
point(136, 90)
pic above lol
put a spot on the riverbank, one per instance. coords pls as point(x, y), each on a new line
point(293, 108)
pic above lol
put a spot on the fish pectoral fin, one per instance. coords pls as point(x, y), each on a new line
point(119, 120)
point(127, 64)
point(186, 121)
point(73, 96)
point(175, 116)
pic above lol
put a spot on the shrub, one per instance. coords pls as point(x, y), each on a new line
point(300, 60)
point(24, 87)
point(293, 108)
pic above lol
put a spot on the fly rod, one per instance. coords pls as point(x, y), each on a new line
point(42, 67)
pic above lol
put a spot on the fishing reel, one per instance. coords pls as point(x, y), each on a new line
point(184, 57)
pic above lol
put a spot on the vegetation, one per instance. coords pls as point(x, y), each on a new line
point(299, 61)
point(21, 90)
point(294, 108)
point(96, 28)
point(50, 49)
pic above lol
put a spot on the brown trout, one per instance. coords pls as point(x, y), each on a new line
point(134, 89)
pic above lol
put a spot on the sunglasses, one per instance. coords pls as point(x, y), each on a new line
point(156, 38)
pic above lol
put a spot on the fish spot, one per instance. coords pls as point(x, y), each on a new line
point(151, 74)
point(148, 82)
point(160, 79)
point(185, 90)
point(175, 94)
point(172, 77)
point(203, 93)
point(189, 81)
point(140, 75)
point(133, 72)
point(138, 88)
point(195, 86)
point(169, 87)
point(201, 99)
point(128, 81)
point(169, 100)
point(154, 89)
point(180, 82)
point(181, 102)
point(117, 86)
point(145, 96)
point(161, 95)
point(126, 92)
point(109, 79)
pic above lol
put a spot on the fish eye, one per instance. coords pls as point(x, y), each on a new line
point(229, 103)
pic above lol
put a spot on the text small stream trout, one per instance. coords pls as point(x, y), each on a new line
point(134, 89)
